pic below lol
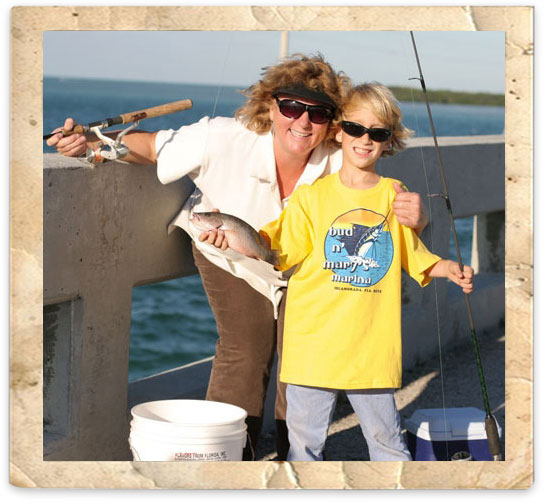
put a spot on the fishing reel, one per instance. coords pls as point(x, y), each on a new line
point(108, 149)
point(113, 149)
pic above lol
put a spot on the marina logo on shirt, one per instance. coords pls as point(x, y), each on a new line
point(358, 248)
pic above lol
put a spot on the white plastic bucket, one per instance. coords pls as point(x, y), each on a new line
point(184, 429)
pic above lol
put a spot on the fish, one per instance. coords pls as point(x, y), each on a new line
point(360, 241)
point(241, 236)
point(367, 239)
point(352, 240)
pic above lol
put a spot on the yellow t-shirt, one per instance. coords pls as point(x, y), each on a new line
point(343, 312)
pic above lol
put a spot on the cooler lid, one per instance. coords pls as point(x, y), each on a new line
point(440, 424)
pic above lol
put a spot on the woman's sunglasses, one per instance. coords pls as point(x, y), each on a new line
point(294, 109)
point(358, 130)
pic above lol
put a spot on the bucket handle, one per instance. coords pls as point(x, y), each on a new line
point(247, 437)
point(137, 458)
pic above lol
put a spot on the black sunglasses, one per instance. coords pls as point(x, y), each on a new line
point(293, 109)
point(358, 130)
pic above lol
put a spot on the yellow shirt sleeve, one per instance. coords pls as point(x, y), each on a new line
point(416, 258)
point(292, 233)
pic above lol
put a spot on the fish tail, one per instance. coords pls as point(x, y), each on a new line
point(274, 257)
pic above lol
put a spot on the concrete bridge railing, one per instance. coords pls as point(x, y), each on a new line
point(105, 233)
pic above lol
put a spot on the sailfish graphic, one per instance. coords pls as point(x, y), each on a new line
point(368, 239)
point(361, 242)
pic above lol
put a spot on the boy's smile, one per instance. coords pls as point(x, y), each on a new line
point(365, 152)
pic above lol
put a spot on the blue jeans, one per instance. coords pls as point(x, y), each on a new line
point(309, 415)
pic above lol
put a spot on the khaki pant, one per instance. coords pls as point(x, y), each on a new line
point(248, 338)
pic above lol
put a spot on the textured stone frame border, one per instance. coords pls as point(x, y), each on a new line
point(27, 469)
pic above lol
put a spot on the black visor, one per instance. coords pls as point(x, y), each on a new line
point(304, 92)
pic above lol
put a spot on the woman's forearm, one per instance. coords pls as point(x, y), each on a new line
point(140, 143)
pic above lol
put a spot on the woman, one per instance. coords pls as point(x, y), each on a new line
point(248, 166)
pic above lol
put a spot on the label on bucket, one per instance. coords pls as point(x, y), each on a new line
point(163, 448)
point(212, 456)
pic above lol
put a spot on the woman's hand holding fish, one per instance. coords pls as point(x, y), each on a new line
point(215, 237)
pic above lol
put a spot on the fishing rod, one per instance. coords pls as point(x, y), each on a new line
point(490, 422)
point(112, 149)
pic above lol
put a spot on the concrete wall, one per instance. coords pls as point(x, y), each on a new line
point(105, 232)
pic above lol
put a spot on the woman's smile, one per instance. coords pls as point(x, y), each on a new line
point(299, 134)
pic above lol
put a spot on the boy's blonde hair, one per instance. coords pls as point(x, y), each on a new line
point(381, 102)
point(312, 72)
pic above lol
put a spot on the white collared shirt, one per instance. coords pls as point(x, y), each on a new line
point(234, 171)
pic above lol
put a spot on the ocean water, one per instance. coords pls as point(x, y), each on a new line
point(172, 323)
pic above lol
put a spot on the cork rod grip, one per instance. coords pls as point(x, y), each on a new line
point(78, 129)
point(156, 111)
point(125, 118)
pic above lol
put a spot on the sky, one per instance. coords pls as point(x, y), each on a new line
point(460, 61)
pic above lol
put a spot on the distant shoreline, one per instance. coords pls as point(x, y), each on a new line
point(449, 97)
point(402, 93)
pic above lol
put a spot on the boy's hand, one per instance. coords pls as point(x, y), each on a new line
point(214, 237)
point(463, 279)
point(409, 209)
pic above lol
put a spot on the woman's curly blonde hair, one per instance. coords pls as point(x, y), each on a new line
point(312, 72)
point(382, 103)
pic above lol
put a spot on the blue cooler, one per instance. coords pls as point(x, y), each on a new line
point(437, 434)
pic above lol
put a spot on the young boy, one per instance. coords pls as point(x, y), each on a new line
point(343, 312)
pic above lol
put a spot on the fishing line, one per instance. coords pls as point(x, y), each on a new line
point(221, 81)
point(432, 245)
point(196, 195)
point(490, 421)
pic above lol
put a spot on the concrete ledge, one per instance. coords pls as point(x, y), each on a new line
point(185, 382)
